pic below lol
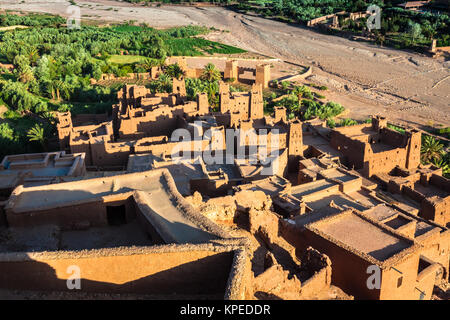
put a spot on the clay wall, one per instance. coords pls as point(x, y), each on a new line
point(353, 150)
point(319, 265)
point(440, 182)
point(399, 282)
point(70, 216)
point(106, 154)
point(262, 76)
point(384, 161)
point(182, 273)
point(393, 138)
point(411, 193)
point(349, 270)
point(436, 209)
point(82, 119)
point(437, 249)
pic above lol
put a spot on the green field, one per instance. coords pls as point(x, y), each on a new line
point(125, 59)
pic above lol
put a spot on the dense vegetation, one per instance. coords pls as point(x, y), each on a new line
point(53, 66)
point(407, 29)
point(300, 101)
point(400, 28)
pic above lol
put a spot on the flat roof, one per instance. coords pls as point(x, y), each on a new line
point(182, 172)
point(337, 174)
point(362, 235)
point(395, 218)
point(38, 165)
point(155, 194)
point(311, 187)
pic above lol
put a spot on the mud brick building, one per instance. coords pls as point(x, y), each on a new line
point(354, 242)
point(375, 148)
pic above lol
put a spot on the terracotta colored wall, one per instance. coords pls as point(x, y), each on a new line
point(440, 182)
point(410, 193)
point(408, 269)
point(436, 209)
point(349, 270)
point(353, 150)
point(66, 217)
point(384, 161)
point(70, 216)
point(437, 249)
point(195, 272)
point(109, 154)
point(317, 282)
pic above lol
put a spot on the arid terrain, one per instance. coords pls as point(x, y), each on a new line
point(404, 86)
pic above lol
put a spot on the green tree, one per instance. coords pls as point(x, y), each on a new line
point(415, 31)
point(441, 163)
point(36, 133)
point(211, 73)
point(431, 149)
point(175, 71)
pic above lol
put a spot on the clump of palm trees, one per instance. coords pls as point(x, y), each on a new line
point(432, 151)
point(211, 73)
point(37, 134)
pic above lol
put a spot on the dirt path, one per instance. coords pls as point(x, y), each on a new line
point(407, 87)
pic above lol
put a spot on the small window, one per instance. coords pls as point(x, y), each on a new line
point(399, 281)
point(116, 215)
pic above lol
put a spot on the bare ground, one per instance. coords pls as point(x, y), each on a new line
point(407, 87)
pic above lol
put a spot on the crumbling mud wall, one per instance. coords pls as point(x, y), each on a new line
point(375, 148)
point(277, 282)
point(91, 213)
point(349, 270)
point(316, 270)
point(186, 271)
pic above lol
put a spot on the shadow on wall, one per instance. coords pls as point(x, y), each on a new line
point(206, 276)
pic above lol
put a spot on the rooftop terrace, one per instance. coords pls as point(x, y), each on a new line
point(361, 234)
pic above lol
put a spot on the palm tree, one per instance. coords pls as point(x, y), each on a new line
point(26, 75)
point(431, 149)
point(164, 83)
point(175, 71)
point(58, 88)
point(33, 55)
point(36, 133)
point(299, 91)
point(210, 73)
point(441, 163)
point(148, 63)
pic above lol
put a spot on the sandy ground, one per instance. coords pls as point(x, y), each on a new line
point(365, 78)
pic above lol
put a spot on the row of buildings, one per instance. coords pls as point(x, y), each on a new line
point(342, 213)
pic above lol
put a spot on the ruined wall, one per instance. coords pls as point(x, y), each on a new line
point(437, 249)
point(349, 270)
point(109, 154)
point(318, 267)
point(161, 121)
point(353, 150)
point(411, 193)
point(71, 216)
point(188, 273)
point(392, 137)
point(440, 182)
